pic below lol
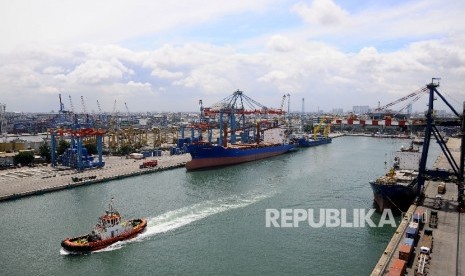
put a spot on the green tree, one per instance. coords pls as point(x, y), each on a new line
point(91, 148)
point(24, 158)
point(308, 128)
point(125, 149)
point(45, 152)
point(62, 146)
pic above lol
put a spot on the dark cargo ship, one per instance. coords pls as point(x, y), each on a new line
point(396, 190)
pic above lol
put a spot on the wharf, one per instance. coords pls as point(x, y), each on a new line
point(447, 250)
point(18, 183)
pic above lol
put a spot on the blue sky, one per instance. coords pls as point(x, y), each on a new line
point(167, 55)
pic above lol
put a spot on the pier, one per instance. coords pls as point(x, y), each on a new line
point(38, 180)
point(447, 249)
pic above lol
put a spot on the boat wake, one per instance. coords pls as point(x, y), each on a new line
point(175, 219)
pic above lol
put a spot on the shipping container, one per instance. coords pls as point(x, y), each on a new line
point(411, 232)
point(408, 241)
point(398, 267)
point(420, 215)
point(405, 251)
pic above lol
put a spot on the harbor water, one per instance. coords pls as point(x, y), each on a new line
point(212, 222)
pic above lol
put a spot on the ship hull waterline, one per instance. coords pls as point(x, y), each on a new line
point(398, 198)
point(235, 157)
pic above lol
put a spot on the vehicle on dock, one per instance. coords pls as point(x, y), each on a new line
point(149, 164)
point(85, 178)
point(442, 188)
point(437, 204)
point(423, 260)
point(427, 239)
point(109, 229)
point(433, 219)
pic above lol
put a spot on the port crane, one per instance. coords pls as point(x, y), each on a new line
point(239, 104)
point(3, 121)
point(432, 130)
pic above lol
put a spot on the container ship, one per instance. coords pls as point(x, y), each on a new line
point(396, 190)
point(306, 142)
point(207, 155)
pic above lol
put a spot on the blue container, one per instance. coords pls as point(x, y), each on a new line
point(408, 241)
point(187, 140)
point(411, 233)
point(147, 153)
point(180, 142)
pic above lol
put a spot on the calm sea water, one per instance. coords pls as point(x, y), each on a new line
point(211, 222)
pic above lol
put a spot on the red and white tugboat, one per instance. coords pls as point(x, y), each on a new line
point(110, 229)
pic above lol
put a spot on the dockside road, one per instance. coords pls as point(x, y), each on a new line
point(17, 183)
point(447, 249)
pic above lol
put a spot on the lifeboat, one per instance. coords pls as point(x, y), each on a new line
point(109, 229)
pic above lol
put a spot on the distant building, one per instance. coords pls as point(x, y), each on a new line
point(360, 109)
point(337, 111)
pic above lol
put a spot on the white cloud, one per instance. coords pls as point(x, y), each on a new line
point(306, 61)
point(26, 23)
point(98, 71)
point(322, 12)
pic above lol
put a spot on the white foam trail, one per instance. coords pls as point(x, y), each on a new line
point(172, 220)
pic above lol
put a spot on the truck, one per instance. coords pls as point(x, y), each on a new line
point(433, 219)
point(423, 260)
point(442, 188)
point(437, 204)
point(427, 240)
point(419, 216)
point(149, 164)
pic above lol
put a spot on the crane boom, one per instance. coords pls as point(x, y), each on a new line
point(84, 110)
point(71, 104)
point(423, 90)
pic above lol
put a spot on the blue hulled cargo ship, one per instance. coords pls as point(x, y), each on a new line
point(306, 142)
point(207, 155)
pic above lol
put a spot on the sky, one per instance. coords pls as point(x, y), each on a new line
point(166, 55)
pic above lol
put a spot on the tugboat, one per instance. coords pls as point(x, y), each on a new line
point(109, 229)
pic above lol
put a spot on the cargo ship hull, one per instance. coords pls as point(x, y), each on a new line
point(397, 197)
point(208, 156)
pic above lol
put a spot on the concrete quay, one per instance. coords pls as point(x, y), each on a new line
point(447, 250)
point(27, 181)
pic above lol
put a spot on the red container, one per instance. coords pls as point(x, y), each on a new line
point(405, 251)
point(398, 268)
